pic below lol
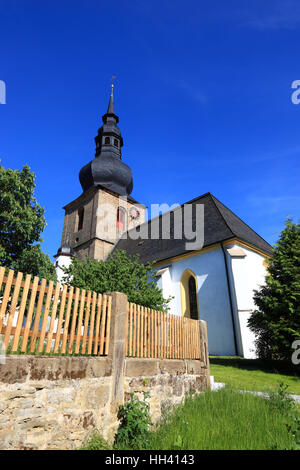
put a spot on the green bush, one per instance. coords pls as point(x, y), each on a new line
point(135, 422)
point(119, 273)
point(276, 321)
point(21, 223)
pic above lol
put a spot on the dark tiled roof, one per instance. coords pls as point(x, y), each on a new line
point(220, 224)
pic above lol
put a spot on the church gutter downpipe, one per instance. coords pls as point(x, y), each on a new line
point(230, 300)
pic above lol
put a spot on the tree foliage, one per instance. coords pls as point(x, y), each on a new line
point(119, 273)
point(276, 322)
point(21, 223)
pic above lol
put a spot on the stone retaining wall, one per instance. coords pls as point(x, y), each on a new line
point(56, 402)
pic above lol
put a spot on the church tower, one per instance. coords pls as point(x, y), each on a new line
point(98, 217)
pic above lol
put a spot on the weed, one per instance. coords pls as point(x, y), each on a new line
point(281, 400)
point(95, 442)
point(293, 429)
point(135, 422)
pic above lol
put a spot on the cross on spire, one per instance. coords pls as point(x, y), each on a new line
point(113, 77)
point(111, 108)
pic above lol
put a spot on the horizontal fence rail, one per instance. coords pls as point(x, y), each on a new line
point(40, 317)
point(154, 334)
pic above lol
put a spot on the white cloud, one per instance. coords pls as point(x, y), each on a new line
point(275, 204)
point(279, 14)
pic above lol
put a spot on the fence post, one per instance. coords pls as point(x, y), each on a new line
point(204, 342)
point(116, 350)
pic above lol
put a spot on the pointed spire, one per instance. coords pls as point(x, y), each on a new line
point(111, 108)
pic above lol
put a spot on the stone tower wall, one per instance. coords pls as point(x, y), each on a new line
point(99, 233)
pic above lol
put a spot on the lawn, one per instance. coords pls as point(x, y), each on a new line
point(253, 374)
point(223, 420)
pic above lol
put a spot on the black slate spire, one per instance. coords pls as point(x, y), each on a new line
point(111, 107)
point(107, 169)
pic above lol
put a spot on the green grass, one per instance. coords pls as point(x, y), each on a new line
point(254, 374)
point(95, 442)
point(223, 420)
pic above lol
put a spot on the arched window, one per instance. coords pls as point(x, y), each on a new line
point(193, 298)
point(189, 295)
point(107, 141)
point(121, 219)
point(116, 143)
point(80, 218)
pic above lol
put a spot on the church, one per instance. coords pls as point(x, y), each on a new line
point(214, 282)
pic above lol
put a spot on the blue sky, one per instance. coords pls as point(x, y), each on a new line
point(203, 92)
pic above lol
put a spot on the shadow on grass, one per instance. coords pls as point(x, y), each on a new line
point(277, 367)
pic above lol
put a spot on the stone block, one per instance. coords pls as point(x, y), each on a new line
point(29, 413)
point(6, 437)
point(59, 396)
point(177, 386)
point(32, 423)
point(25, 403)
point(96, 396)
point(14, 370)
point(21, 393)
point(193, 367)
point(99, 367)
point(172, 366)
point(135, 367)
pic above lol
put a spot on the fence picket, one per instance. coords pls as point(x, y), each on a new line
point(138, 331)
point(142, 332)
point(6, 297)
point(21, 313)
point(86, 322)
point(91, 330)
point(126, 330)
point(107, 336)
point(60, 318)
point(67, 320)
point(2, 272)
point(97, 330)
point(130, 328)
point(53, 318)
point(30, 313)
point(12, 310)
point(103, 321)
point(45, 318)
point(134, 330)
point(37, 315)
point(74, 316)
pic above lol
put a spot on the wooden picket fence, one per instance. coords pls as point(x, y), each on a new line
point(37, 316)
point(150, 333)
point(40, 317)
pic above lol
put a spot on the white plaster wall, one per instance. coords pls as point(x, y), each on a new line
point(247, 336)
point(247, 275)
point(214, 305)
point(62, 261)
point(166, 283)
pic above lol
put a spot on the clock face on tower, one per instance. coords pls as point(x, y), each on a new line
point(134, 213)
